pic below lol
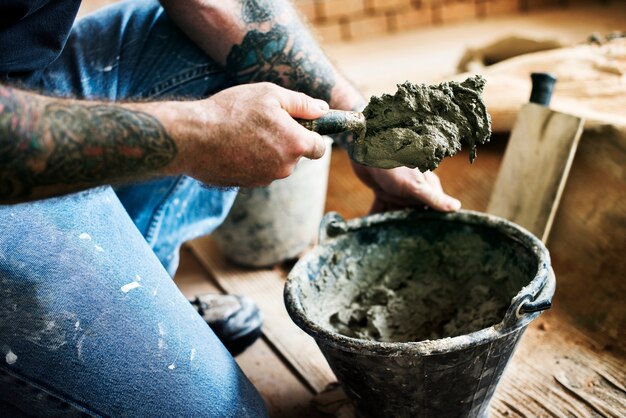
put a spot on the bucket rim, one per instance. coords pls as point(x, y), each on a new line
point(333, 227)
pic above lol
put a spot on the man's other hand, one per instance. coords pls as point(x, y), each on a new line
point(401, 187)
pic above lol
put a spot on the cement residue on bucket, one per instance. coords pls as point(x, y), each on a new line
point(387, 285)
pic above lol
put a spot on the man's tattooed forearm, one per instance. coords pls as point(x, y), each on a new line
point(284, 54)
point(97, 142)
point(276, 57)
point(70, 143)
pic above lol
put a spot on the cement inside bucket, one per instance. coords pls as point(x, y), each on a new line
point(405, 283)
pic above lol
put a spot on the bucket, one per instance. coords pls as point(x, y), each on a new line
point(418, 313)
point(268, 225)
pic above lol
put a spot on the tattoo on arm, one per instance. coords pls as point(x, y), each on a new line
point(283, 53)
point(62, 143)
point(258, 11)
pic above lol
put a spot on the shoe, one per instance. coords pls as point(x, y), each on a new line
point(236, 320)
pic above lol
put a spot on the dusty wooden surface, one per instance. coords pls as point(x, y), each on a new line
point(588, 239)
point(535, 167)
point(558, 371)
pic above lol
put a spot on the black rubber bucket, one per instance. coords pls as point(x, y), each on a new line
point(430, 377)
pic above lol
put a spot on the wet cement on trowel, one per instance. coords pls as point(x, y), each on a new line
point(421, 124)
point(406, 288)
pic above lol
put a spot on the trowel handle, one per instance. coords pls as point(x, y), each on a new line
point(542, 88)
point(335, 121)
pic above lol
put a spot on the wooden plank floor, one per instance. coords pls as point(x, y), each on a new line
point(557, 371)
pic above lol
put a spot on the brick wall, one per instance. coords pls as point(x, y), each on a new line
point(344, 20)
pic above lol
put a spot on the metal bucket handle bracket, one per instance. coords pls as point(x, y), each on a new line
point(332, 225)
point(527, 304)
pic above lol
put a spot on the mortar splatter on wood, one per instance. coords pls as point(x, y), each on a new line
point(420, 124)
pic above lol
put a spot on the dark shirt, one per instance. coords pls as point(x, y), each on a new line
point(33, 32)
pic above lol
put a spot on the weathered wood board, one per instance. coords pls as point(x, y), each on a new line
point(535, 167)
point(559, 372)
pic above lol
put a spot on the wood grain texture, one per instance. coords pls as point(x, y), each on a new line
point(535, 168)
point(588, 239)
point(265, 287)
point(557, 371)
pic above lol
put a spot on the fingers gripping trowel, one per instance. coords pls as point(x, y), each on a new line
point(337, 121)
point(537, 161)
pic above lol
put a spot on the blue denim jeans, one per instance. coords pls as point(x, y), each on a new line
point(90, 321)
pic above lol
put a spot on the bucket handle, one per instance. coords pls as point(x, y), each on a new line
point(331, 226)
point(529, 305)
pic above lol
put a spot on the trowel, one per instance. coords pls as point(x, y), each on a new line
point(416, 127)
point(338, 121)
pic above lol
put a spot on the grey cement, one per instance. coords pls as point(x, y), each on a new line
point(400, 288)
point(420, 124)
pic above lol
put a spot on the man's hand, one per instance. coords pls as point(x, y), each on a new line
point(247, 135)
point(401, 187)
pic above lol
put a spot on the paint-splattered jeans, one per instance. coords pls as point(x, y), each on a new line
point(90, 321)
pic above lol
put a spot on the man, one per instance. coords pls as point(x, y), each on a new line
point(166, 104)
